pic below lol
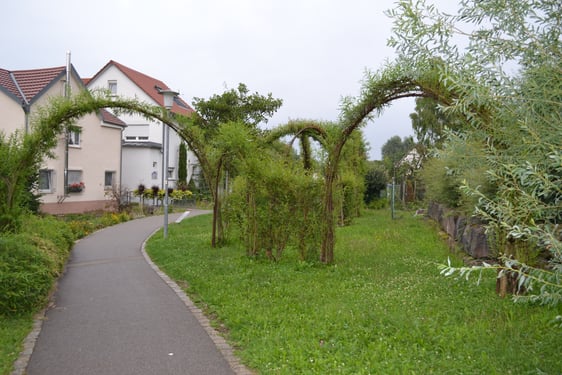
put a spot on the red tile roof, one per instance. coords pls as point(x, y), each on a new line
point(26, 85)
point(8, 84)
point(32, 82)
point(109, 118)
point(151, 86)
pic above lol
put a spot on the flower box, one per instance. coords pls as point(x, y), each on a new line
point(76, 187)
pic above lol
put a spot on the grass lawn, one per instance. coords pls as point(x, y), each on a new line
point(382, 308)
point(13, 331)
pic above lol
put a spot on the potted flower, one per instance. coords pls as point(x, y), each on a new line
point(76, 187)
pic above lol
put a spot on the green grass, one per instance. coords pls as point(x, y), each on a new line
point(382, 308)
point(13, 331)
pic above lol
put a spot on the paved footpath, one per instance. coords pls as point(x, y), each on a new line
point(113, 314)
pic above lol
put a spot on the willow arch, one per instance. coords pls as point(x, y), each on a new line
point(393, 82)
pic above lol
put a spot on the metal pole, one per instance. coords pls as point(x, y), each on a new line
point(392, 200)
point(166, 159)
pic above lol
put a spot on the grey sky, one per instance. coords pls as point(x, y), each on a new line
point(310, 53)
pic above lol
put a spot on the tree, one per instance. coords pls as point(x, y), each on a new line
point(375, 181)
point(507, 87)
point(430, 123)
point(395, 148)
point(202, 129)
point(182, 167)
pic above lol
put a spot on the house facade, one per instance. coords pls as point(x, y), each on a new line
point(143, 138)
point(90, 158)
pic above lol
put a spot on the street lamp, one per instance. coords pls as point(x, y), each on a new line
point(169, 96)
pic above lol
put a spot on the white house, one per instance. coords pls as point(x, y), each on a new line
point(93, 165)
point(142, 139)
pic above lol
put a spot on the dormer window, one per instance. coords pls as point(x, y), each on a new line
point(112, 87)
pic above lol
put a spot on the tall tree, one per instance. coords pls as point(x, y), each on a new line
point(182, 167)
point(232, 106)
point(395, 148)
point(430, 123)
point(375, 181)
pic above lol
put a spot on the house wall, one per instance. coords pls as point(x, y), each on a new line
point(139, 164)
point(138, 126)
point(99, 151)
point(11, 114)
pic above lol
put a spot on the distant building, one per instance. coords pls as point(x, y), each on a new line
point(142, 139)
point(94, 153)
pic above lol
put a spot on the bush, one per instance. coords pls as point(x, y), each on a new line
point(29, 265)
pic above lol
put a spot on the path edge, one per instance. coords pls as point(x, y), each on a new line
point(219, 341)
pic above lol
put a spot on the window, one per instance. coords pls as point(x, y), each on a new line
point(112, 87)
point(109, 179)
point(75, 183)
point(46, 180)
point(74, 177)
point(74, 138)
point(170, 172)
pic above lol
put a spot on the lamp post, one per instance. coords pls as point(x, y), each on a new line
point(169, 96)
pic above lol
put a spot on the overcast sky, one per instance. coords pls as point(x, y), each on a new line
point(310, 53)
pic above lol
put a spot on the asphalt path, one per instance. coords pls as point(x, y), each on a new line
point(113, 314)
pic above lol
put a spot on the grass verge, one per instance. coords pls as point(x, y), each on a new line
point(382, 308)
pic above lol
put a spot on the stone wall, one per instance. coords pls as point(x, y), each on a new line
point(468, 234)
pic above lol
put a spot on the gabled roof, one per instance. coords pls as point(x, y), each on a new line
point(151, 86)
point(33, 82)
point(25, 86)
point(7, 84)
point(28, 85)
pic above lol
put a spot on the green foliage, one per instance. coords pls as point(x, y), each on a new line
point(375, 181)
point(431, 123)
point(395, 149)
point(234, 105)
point(459, 160)
point(274, 204)
point(13, 330)
point(382, 309)
point(18, 172)
point(512, 120)
point(30, 263)
point(350, 185)
point(182, 167)
point(208, 135)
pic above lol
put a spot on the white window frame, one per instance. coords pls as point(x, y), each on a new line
point(112, 184)
point(75, 176)
point(49, 180)
point(74, 138)
point(112, 86)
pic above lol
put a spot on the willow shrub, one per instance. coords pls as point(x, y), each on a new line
point(275, 206)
